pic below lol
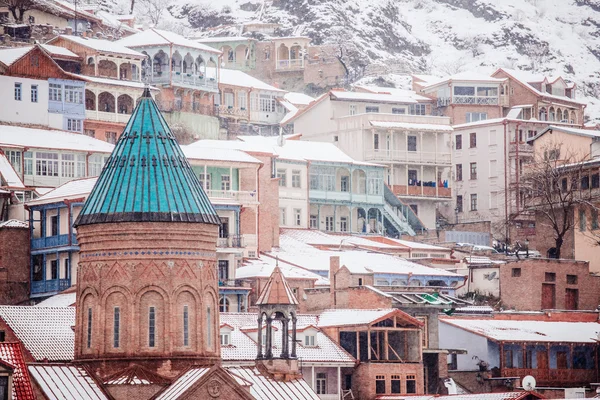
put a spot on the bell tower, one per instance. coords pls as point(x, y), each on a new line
point(147, 284)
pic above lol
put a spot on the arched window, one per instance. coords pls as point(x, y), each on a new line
point(543, 114)
point(224, 304)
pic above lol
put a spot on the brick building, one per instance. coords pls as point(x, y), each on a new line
point(14, 260)
point(549, 284)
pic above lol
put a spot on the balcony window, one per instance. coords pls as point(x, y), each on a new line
point(458, 142)
point(267, 103)
point(225, 182)
point(96, 163)
point(411, 142)
point(54, 269)
point(412, 177)
point(416, 109)
point(474, 202)
point(372, 109)
point(473, 169)
point(321, 383)
point(54, 225)
point(14, 157)
point(314, 222)
point(282, 175)
point(229, 100)
point(242, 100)
point(296, 179)
point(55, 92)
point(46, 164)
point(473, 140)
point(204, 181)
point(345, 184)
point(464, 91)
point(344, 224)
point(73, 94)
point(398, 110)
point(487, 91)
point(459, 172)
point(329, 225)
point(374, 183)
point(376, 141)
point(111, 137)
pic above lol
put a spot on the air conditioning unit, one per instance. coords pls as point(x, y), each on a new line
point(575, 393)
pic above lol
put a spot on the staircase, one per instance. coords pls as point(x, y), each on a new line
point(397, 220)
point(400, 215)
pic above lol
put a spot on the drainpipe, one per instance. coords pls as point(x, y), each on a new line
point(506, 190)
point(517, 166)
point(258, 208)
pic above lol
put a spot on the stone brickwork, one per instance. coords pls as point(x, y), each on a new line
point(521, 284)
point(169, 268)
point(14, 265)
point(363, 380)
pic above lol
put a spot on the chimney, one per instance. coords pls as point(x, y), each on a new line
point(334, 267)
point(68, 30)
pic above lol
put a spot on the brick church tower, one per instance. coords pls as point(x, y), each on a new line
point(147, 286)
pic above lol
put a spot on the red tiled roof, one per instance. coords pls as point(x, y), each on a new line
point(12, 353)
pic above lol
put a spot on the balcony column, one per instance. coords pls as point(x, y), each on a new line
point(421, 180)
point(437, 183)
point(350, 207)
point(259, 338)
point(368, 344)
point(318, 217)
point(421, 144)
point(269, 345)
point(116, 106)
point(230, 178)
point(339, 383)
point(406, 173)
point(44, 270)
point(57, 221)
point(205, 179)
point(334, 218)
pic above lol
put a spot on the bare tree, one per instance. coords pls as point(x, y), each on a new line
point(17, 8)
point(555, 185)
point(153, 10)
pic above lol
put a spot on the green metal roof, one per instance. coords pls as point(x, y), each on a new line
point(147, 177)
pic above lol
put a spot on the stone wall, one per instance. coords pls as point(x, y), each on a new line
point(14, 265)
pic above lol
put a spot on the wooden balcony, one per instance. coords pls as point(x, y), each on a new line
point(408, 157)
point(552, 377)
point(427, 191)
point(107, 116)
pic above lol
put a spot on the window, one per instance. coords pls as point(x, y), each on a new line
point(2, 336)
point(473, 171)
point(309, 340)
point(508, 359)
point(186, 326)
point(550, 277)
point(475, 116)
point(54, 225)
point(473, 202)
point(493, 168)
point(225, 182)
point(329, 224)
point(18, 91)
point(416, 109)
point(459, 203)
point(151, 327)
point(379, 384)
point(89, 328)
point(372, 109)
point(345, 183)
point(321, 383)
point(204, 181)
point(298, 216)
point(111, 137)
point(336, 138)
point(267, 103)
point(296, 179)
point(34, 93)
point(459, 174)
point(282, 216)
point(66, 271)
point(553, 154)
point(73, 94)
point(225, 338)
point(464, 91)
point(74, 125)
point(398, 110)
point(395, 384)
point(582, 221)
point(571, 279)
point(360, 281)
point(585, 182)
point(242, 100)
point(472, 140)
point(376, 141)
point(96, 163)
point(594, 223)
point(14, 157)
point(224, 304)
point(452, 362)
point(344, 224)
point(54, 269)
point(487, 91)
point(411, 384)
point(411, 142)
point(282, 174)
point(55, 92)
point(458, 142)
point(116, 327)
point(352, 109)
point(89, 132)
point(314, 222)
point(46, 164)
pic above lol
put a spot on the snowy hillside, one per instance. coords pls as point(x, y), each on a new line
point(554, 37)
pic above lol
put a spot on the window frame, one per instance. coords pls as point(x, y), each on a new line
point(18, 94)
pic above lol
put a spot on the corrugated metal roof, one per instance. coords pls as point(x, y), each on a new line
point(66, 382)
point(427, 298)
point(12, 353)
point(183, 383)
point(44, 331)
point(147, 177)
point(136, 375)
point(8, 173)
point(265, 388)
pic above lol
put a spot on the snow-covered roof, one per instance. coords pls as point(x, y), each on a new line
point(158, 37)
point(59, 51)
point(9, 56)
point(263, 268)
point(463, 396)
point(253, 147)
point(13, 223)
point(297, 98)
point(219, 39)
point(44, 331)
point(346, 316)
point(66, 382)
point(36, 138)
point(292, 111)
point(72, 189)
point(573, 131)
point(529, 331)
point(243, 348)
point(372, 97)
point(401, 93)
point(419, 246)
point(116, 21)
point(527, 78)
point(199, 152)
point(491, 121)
point(481, 260)
point(233, 77)
point(471, 77)
point(412, 126)
point(8, 173)
point(59, 300)
point(104, 46)
point(117, 82)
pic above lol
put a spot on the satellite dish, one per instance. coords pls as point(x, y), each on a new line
point(528, 383)
point(491, 275)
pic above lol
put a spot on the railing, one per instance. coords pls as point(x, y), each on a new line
point(484, 101)
point(290, 64)
point(523, 148)
point(550, 376)
point(184, 79)
point(186, 106)
point(227, 282)
point(50, 286)
point(444, 101)
point(244, 197)
point(225, 111)
point(230, 241)
point(53, 241)
point(424, 157)
point(240, 64)
point(107, 116)
point(415, 190)
point(345, 196)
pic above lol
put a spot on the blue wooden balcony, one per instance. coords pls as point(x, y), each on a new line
point(53, 241)
point(53, 286)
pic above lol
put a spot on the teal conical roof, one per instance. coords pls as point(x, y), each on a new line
point(147, 177)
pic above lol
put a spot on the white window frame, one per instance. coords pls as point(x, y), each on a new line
point(18, 91)
point(34, 93)
point(298, 216)
point(225, 182)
